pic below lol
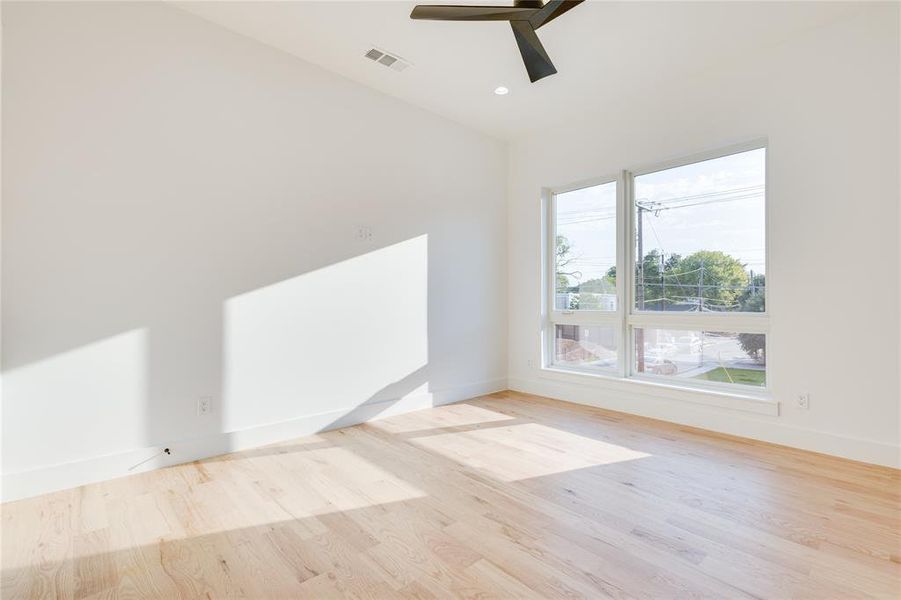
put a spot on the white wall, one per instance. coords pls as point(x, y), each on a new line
point(898, 45)
point(180, 219)
point(1, 245)
point(828, 102)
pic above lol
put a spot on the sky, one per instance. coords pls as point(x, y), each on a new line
point(717, 204)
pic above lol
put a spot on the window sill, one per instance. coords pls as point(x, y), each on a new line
point(761, 403)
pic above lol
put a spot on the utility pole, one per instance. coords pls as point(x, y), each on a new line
point(701, 288)
point(701, 308)
point(643, 206)
point(640, 290)
point(662, 278)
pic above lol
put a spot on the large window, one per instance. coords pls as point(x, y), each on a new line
point(585, 331)
point(691, 308)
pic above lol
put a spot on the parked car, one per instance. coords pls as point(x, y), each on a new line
point(661, 367)
point(656, 359)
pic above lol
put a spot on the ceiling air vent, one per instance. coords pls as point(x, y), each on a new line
point(392, 61)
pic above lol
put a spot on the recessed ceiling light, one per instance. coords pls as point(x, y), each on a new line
point(501, 90)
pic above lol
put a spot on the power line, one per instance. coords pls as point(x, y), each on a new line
point(577, 217)
point(707, 202)
point(742, 190)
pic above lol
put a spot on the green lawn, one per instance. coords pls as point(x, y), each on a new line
point(745, 376)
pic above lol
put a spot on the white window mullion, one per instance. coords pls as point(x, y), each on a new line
point(548, 280)
point(575, 317)
point(734, 322)
point(623, 271)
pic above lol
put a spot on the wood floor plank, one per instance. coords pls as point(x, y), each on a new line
point(504, 496)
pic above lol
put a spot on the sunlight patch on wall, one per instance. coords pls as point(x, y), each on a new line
point(328, 340)
point(514, 452)
point(78, 390)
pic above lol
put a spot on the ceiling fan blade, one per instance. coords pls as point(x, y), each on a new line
point(551, 10)
point(471, 13)
point(538, 63)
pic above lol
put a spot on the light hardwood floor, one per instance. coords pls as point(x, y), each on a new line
point(503, 496)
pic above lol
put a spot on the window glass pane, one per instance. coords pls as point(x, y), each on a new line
point(700, 230)
point(585, 346)
point(585, 253)
point(738, 358)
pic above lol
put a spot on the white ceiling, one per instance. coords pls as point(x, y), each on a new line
point(602, 50)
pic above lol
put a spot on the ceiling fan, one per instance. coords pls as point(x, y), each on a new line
point(525, 17)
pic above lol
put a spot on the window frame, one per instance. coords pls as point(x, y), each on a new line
point(626, 318)
point(613, 318)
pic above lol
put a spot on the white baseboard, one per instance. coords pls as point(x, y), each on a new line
point(732, 422)
point(43, 480)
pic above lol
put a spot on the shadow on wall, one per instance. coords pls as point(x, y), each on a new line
point(335, 345)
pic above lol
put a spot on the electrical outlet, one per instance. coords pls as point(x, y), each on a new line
point(804, 401)
point(529, 363)
point(364, 233)
point(204, 406)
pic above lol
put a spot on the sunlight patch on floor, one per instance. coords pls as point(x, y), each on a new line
point(452, 415)
point(262, 489)
point(515, 452)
